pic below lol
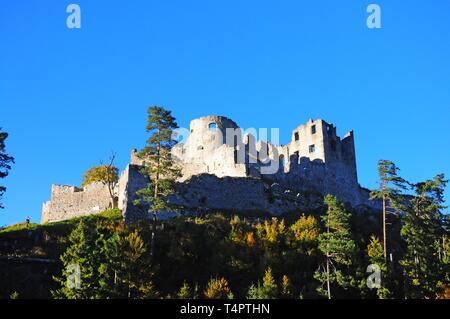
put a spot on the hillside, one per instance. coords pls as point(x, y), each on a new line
point(29, 254)
point(190, 250)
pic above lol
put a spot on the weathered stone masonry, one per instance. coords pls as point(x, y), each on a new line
point(70, 201)
point(224, 170)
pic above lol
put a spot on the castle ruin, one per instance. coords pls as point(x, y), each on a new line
point(225, 169)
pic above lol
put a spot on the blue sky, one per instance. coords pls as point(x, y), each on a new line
point(68, 97)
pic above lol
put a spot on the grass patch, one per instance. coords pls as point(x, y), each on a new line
point(112, 215)
point(19, 227)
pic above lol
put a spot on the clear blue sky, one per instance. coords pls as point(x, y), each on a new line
point(68, 97)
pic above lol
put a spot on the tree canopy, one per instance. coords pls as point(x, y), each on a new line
point(5, 162)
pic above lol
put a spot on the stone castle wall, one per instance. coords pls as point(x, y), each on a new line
point(224, 170)
point(69, 202)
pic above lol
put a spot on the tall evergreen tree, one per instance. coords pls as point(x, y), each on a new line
point(389, 191)
point(159, 165)
point(79, 278)
point(5, 162)
point(423, 229)
point(185, 292)
point(337, 247)
point(376, 256)
point(126, 272)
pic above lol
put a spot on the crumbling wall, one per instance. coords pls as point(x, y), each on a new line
point(206, 192)
point(130, 182)
point(69, 202)
point(210, 148)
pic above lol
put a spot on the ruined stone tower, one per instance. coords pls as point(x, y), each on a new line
point(208, 148)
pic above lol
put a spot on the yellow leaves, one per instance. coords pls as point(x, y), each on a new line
point(281, 226)
point(268, 280)
point(305, 229)
point(285, 286)
point(217, 289)
point(271, 231)
point(185, 291)
point(275, 231)
point(415, 282)
point(135, 244)
point(103, 173)
point(375, 248)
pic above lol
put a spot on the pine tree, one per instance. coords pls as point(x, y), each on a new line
point(389, 192)
point(337, 247)
point(185, 291)
point(376, 257)
point(79, 278)
point(159, 165)
point(423, 229)
point(286, 287)
point(268, 290)
point(103, 261)
point(5, 162)
point(127, 272)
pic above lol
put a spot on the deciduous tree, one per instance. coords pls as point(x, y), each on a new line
point(107, 175)
point(218, 289)
point(268, 290)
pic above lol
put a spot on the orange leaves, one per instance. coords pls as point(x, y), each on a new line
point(217, 289)
point(250, 239)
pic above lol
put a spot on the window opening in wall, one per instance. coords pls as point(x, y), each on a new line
point(296, 136)
point(212, 126)
point(313, 129)
point(312, 148)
